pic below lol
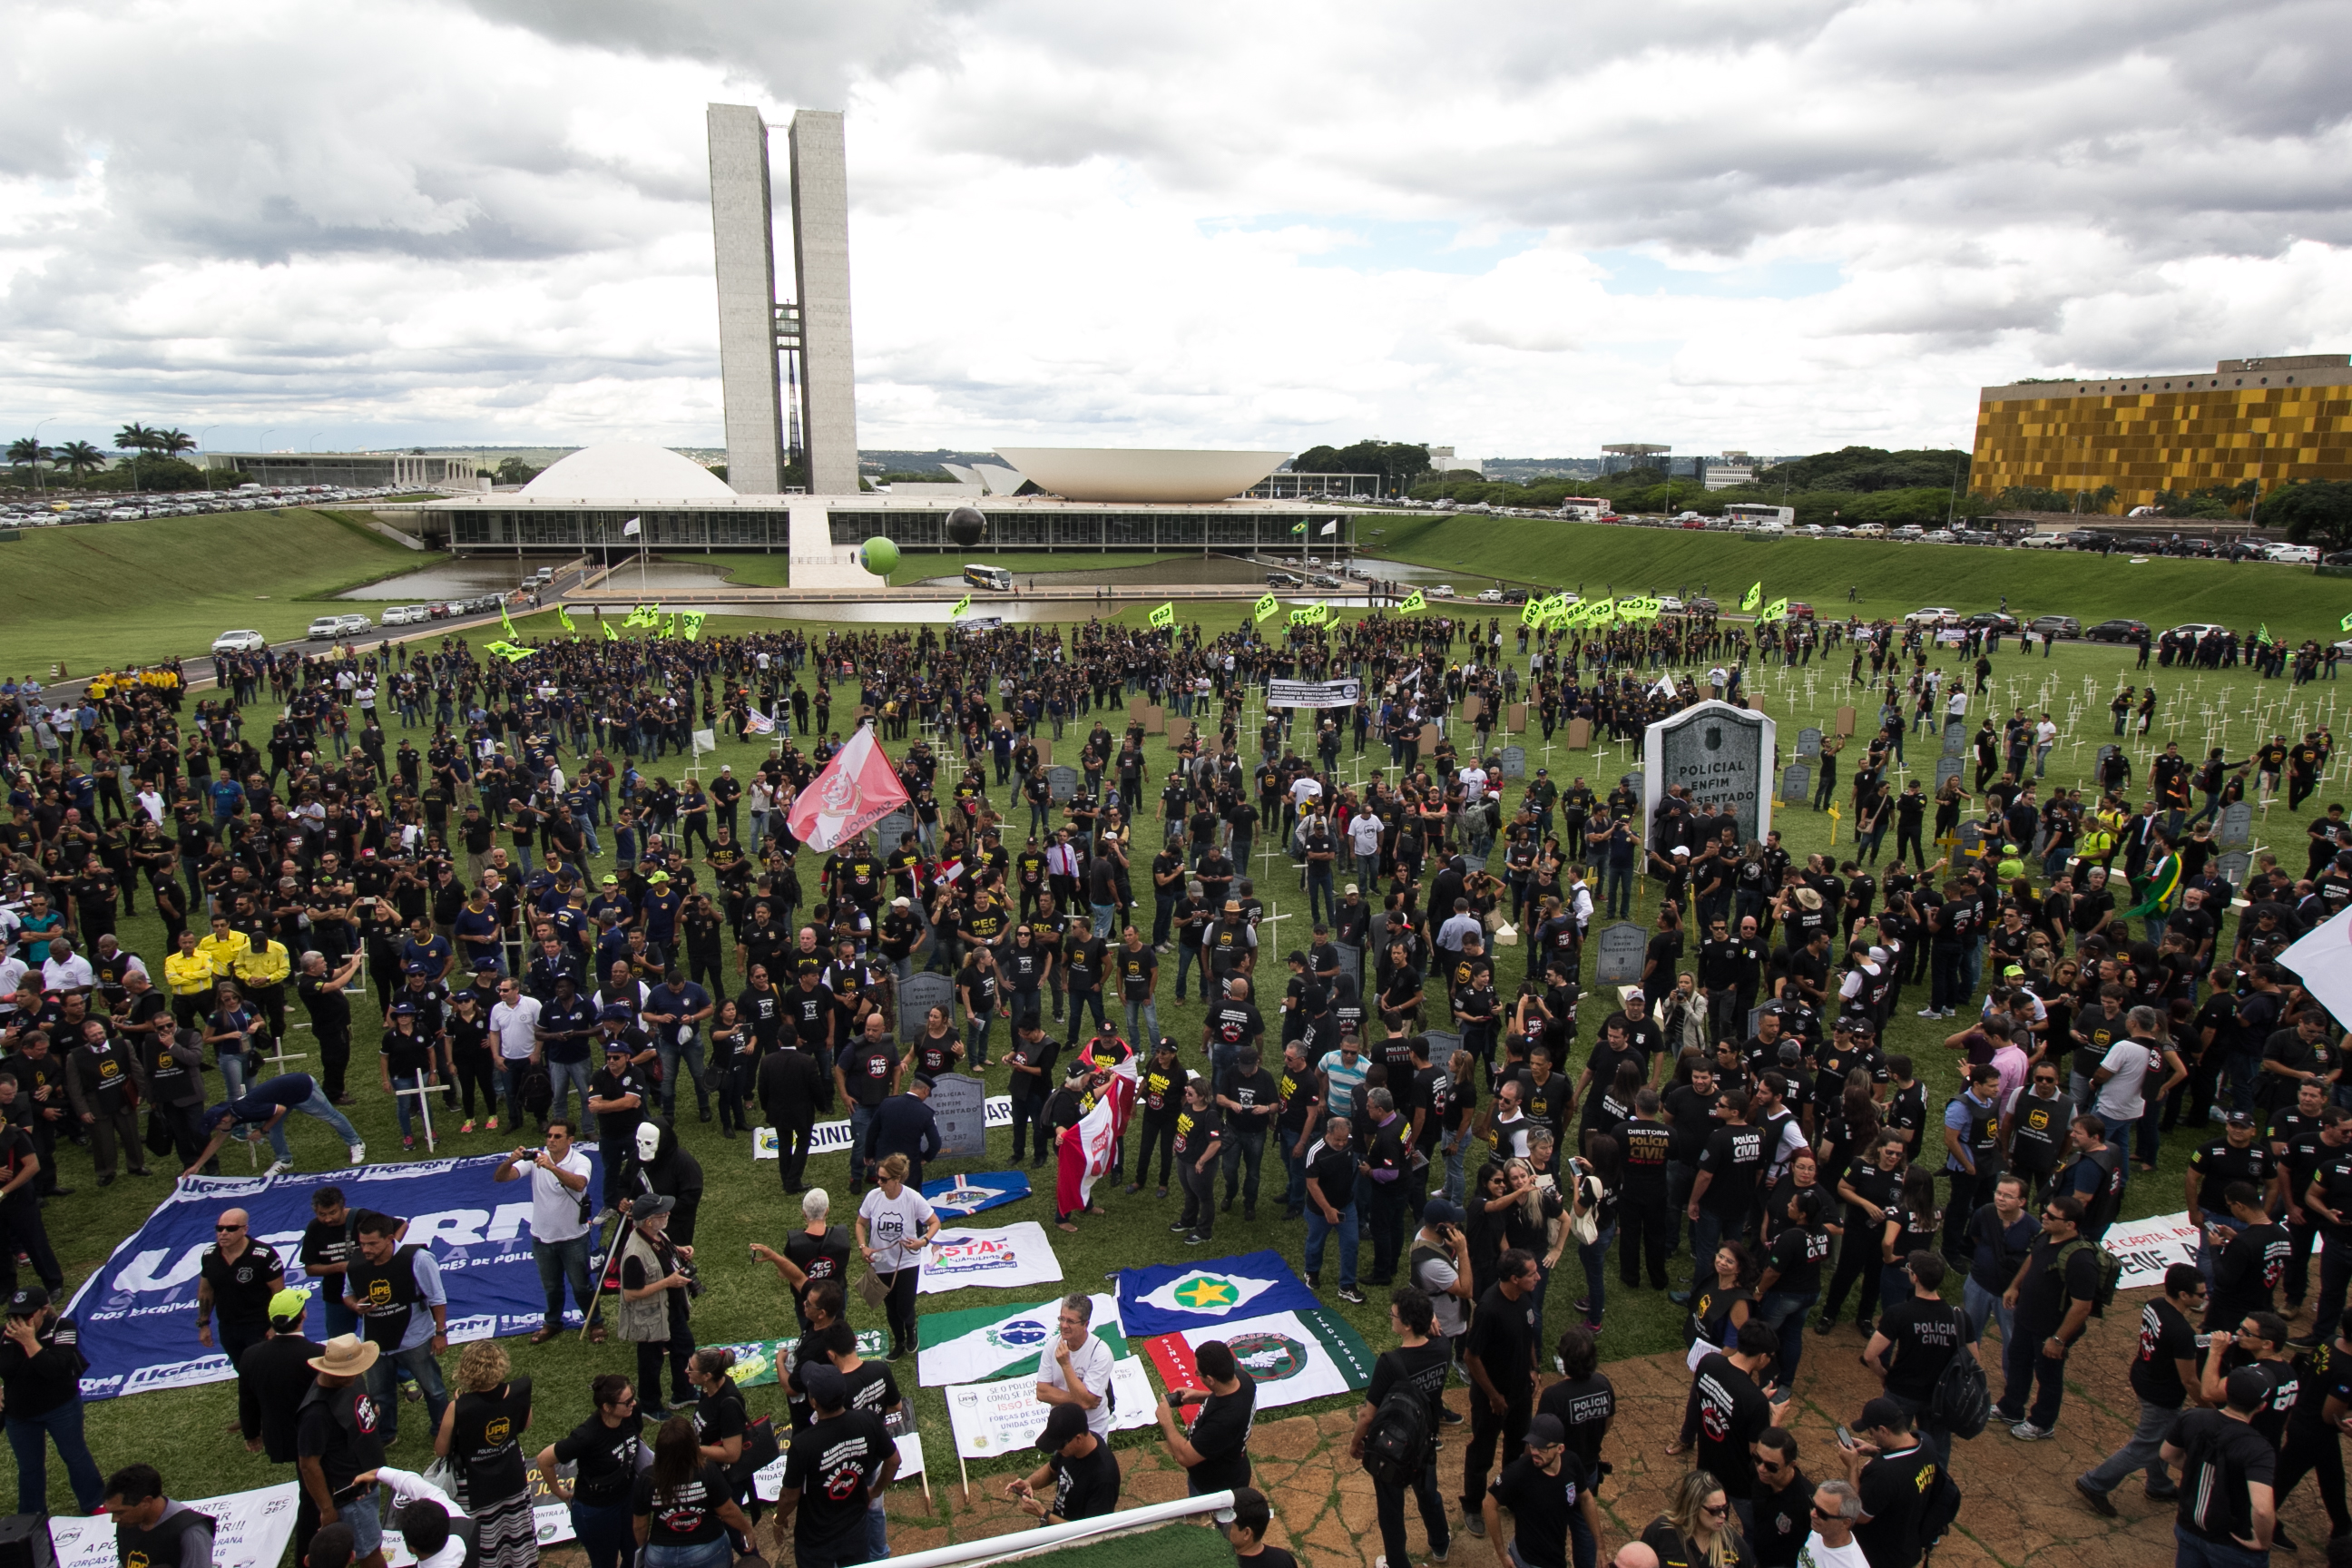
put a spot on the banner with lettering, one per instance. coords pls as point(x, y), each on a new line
point(138, 1312)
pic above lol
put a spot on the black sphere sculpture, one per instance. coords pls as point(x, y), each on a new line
point(967, 525)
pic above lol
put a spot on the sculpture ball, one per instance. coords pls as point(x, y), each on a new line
point(880, 556)
point(967, 525)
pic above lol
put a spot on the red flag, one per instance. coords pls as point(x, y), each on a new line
point(1086, 1151)
point(855, 790)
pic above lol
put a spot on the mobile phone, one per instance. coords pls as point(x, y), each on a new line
point(1844, 1438)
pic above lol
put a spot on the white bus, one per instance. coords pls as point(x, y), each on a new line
point(1588, 509)
point(1748, 514)
point(995, 577)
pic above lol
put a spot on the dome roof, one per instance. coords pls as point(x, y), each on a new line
point(1114, 474)
point(626, 471)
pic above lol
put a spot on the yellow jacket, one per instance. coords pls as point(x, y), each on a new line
point(223, 952)
point(267, 964)
point(188, 974)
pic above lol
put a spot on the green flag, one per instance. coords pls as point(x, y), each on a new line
point(506, 651)
point(1602, 612)
point(1413, 601)
point(692, 622)
point(1755, 597)
point(1165, 616)
point(2263, 632)
point(1774, 611)
point(564, 617)
point(2345, 624)
point(1266, 604)
point(670, 630)
point(503, 619)
point(960, 606)
point(1298, 527)
point(610, 635)
point(644, 616)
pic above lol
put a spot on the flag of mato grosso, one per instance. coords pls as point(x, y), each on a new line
point(1087, 1148)
point(855, 790)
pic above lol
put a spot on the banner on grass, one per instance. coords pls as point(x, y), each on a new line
point(1088, 1149)
point(992, 1418)
point(1312, 693)
point(985, 1344)
point(250, 1529)
point(833, 1137)
point(1290, 1356)
point(759, 1362)
point(479, 1233)
point(2149, 1247)
point(1015, 1255)
point(1177, 1298)
point(961, 1197)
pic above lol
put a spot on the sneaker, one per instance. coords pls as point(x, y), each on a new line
point(492, 1126)
point(276, 1168)
point(1178, 1228)
point(1584, 1306)
point(1350, 1294)
point(1679, 1298)
point(1592, 1327)
point(359, 1153)
point(1449, 1416)
point(406, 1141)
point(1931, 1012)
point(1437, 1553)
point(1315, 1283)
point(468, 1127)
point(1475, 1525)
point(2099, 1502)
point(1825, 1325)
point(1162, 1193)
point(2027, 1432)
point(1194, 1239)
point(1133, 1187)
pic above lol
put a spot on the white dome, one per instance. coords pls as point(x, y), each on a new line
point(626, 471)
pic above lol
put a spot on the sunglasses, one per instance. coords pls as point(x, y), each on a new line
point(1820, 1513)
point(1715, 1509)
point(228, 1227)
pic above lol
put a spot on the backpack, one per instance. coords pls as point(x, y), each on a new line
point(538, 1090)
point(1937, 1509)
point(1396, 1445)
point(2111, 1272)
point(1962, 1403)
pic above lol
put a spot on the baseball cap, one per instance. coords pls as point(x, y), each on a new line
point(828, 1390)
point(1350, 889)
point(28, 1301)
point(2239, 1119)
point(653, 1207)
point(486, 966)
point(1439, 1211)
point(1543, 1431)
point(1877, 955)
point(1883, 1412)
point(287, 1305)
point(611, 880)
point(1064, 1425)
point(658, 878)
point(614, 1013)
point(404, 1010)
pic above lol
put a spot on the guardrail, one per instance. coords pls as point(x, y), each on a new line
point(1053, 1536)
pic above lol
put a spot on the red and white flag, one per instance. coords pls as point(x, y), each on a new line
point(1087, 1149)
point(855, 790)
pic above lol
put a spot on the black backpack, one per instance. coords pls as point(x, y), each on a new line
point(1962, 1403)
point(538, 1090)
point(1396, 1446)
point(1937, 1510)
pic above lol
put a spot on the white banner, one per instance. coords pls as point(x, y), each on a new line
point(1312, 693)
point(2149, 1247)
point(993, 1347)
point(833, 1137)
point(992, 1418)
point(250, 1529)
point(768, 1484)
point(1012, 1254)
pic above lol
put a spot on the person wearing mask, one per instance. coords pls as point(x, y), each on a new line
point(1549, 1492)
point(1916, 1339)
point(2165, 1379)
point(2229, 1511)
point(1417, 1366)
point(657, 1280)
point(1080, 1475)
point(602, 1450)
point(1216, 1452)
point(1780, 1510)
point(2051, 1299)
point(150, 1528)
point(1499, 1356)
point(895, 1227)
point(41, 1365)
point(1894, 1473)
point(560, 1243)
point(683, 1505)
point(481, 1437)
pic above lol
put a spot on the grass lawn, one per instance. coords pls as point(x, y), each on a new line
point(162, 586)
point(1891, 578)
point(180, 1430)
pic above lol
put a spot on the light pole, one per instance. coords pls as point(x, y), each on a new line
point(38, 490)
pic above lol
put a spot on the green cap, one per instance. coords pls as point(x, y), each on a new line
point(287, 1305)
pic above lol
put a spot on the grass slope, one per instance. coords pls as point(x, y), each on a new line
point(1891, 579)
point(126, 592)
point(180, 1430)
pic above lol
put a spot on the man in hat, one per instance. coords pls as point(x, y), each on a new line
point(273, 1379)
point(832, 1472)
point(151, 1530)
point(337, 1440)
point(1078, 1467)
point(1893, 1471)
point(618, 1095)
point(41, 1377)
point(1544, 1487)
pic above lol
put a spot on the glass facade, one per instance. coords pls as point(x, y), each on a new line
point(2163, 433)
point(1010, 528)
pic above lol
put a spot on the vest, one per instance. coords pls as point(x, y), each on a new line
point(2038, 1132)
point(386, 1294)
point(158, 1547)
point(644, 1320)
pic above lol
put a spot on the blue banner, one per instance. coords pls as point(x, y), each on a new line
point(961, 1197)
point(1178, 1297)
point(137, 1313)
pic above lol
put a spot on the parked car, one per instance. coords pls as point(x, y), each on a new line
point(352, 625)
point(1442, 591)
point(2195, 629)
point(1995, 620)
point(2118, 630)
point(2040, 542)
point(1490, 597)
point(1870, 531)
point(326, 628)
point(1800, 611)
point(1908, 531)
point(1933, 615)
point(2294, 554)
point(241, 642)
point(1670, 606)
point(1283, 580)
point(2055, 627)
point(437, 611)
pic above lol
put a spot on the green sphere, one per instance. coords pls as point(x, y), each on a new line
point(880, 556)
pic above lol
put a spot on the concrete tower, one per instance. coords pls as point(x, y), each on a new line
point(820, 172)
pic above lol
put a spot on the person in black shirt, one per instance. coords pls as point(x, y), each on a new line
point(1080, 1470)
point(1030, 1063)
point(1548, 1490)
point(1779, 1514)
point(1723, 1192)
point(604, 1447)
point(1498, 1354)
point(2250, 1258)
point(2164, 1376)
point(833, 1470)
point(1200, 1139)
point(1420, 1363)
point(41, 1365)
point(339, 1438)
point(684, 1499)
point(1728, 1408)
point(1915, 1340)
point(2315, 1426)
point(1893, 1471)
point(1249, 1097)
point(1215, 1453)
point(2051, 1299)
point(862, 1074)
point(1247, 1531)
point(1646, 1226)
point(2227, 1469)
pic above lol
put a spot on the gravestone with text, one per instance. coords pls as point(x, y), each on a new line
point(887, 831)
point(1514, 762)
point(1808, 741)
point(1621, 947)
point(1947, 768)
point(959, 1103)
point(1061, 783)
point(2235, 868)
point(2237, 825)
point(1721, 755)
point(1955, 738)
point(917, 995)
point(1796, 784)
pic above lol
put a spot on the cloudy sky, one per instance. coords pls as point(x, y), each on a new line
point(1523, 229)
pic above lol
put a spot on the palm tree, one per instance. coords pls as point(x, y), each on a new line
point(136, 439)
point(26, 452)
point(172, 443)
point(80, 458)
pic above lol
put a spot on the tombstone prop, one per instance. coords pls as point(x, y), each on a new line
point(1622, 948)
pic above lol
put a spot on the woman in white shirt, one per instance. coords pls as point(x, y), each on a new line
point(895, 1224)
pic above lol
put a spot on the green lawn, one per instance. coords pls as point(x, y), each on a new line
point(180, 1430)
point(149, 589)
point(1891, 578)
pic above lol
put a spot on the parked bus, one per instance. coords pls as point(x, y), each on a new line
point(995, 577)
point(1751, 514)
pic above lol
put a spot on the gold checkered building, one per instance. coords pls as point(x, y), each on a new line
point(2268, 420)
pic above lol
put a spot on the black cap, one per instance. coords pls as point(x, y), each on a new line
point(1064, 1425)
point(825, 1385)
point(32, 1298)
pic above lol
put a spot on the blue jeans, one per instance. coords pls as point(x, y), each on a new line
point(419, 1360)
point(364, 1515)
point(975, 1038)
point(1982, 1305)
point(604, 1533)
point(861, 1121)
point(1143, 1025)
point(1780, 1309)
point(559, 1262)
point(1241, 1146)
point(1317, 1227)
point(878, 1532)
point(30, 1437)
point(561, 1079)
point(1105, 915)
point(1594, 1256)
point(671, 1054)
point(718, 1554)
point(2196, 1551)
point(404, 1100)
point(1706, 1235)
point(320, 1106)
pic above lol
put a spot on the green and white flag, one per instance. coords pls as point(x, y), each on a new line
point(1291, 1357)
point(1266, 604)
point(987, 1342)
point(2263, 632)
point(1165, 616)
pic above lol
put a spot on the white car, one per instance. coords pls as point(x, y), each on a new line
point(325, 627)
point(1669, 606)
point(2041, 542)
point(1491, 596)
point(403, 615)
point(1443, 591)
point(1933, 615)
point(240, 642)
point(2294, 554)
point(352, 625)
point(2197, 629)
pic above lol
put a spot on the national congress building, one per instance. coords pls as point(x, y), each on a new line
point(2268, 420)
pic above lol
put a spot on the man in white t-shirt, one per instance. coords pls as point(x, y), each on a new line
point(1473, 783)
point(1836, 1505)
point(1076, 1368)
point(2045, 736)
point(65, 970)
point(559, 1223)
point(2122, 1078)
point(514, 1019)
point(1364, 839)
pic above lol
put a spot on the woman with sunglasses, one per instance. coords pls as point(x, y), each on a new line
point(604, 1447)
point(1697, 1530)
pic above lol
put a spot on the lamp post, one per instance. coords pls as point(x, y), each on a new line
point(38, 490)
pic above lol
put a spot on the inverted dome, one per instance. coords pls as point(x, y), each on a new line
point(1139, 474)
point(626, 471)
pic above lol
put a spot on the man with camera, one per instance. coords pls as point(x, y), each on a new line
point(559, 1229)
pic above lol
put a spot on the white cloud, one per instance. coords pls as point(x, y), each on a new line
point(1511, 227)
